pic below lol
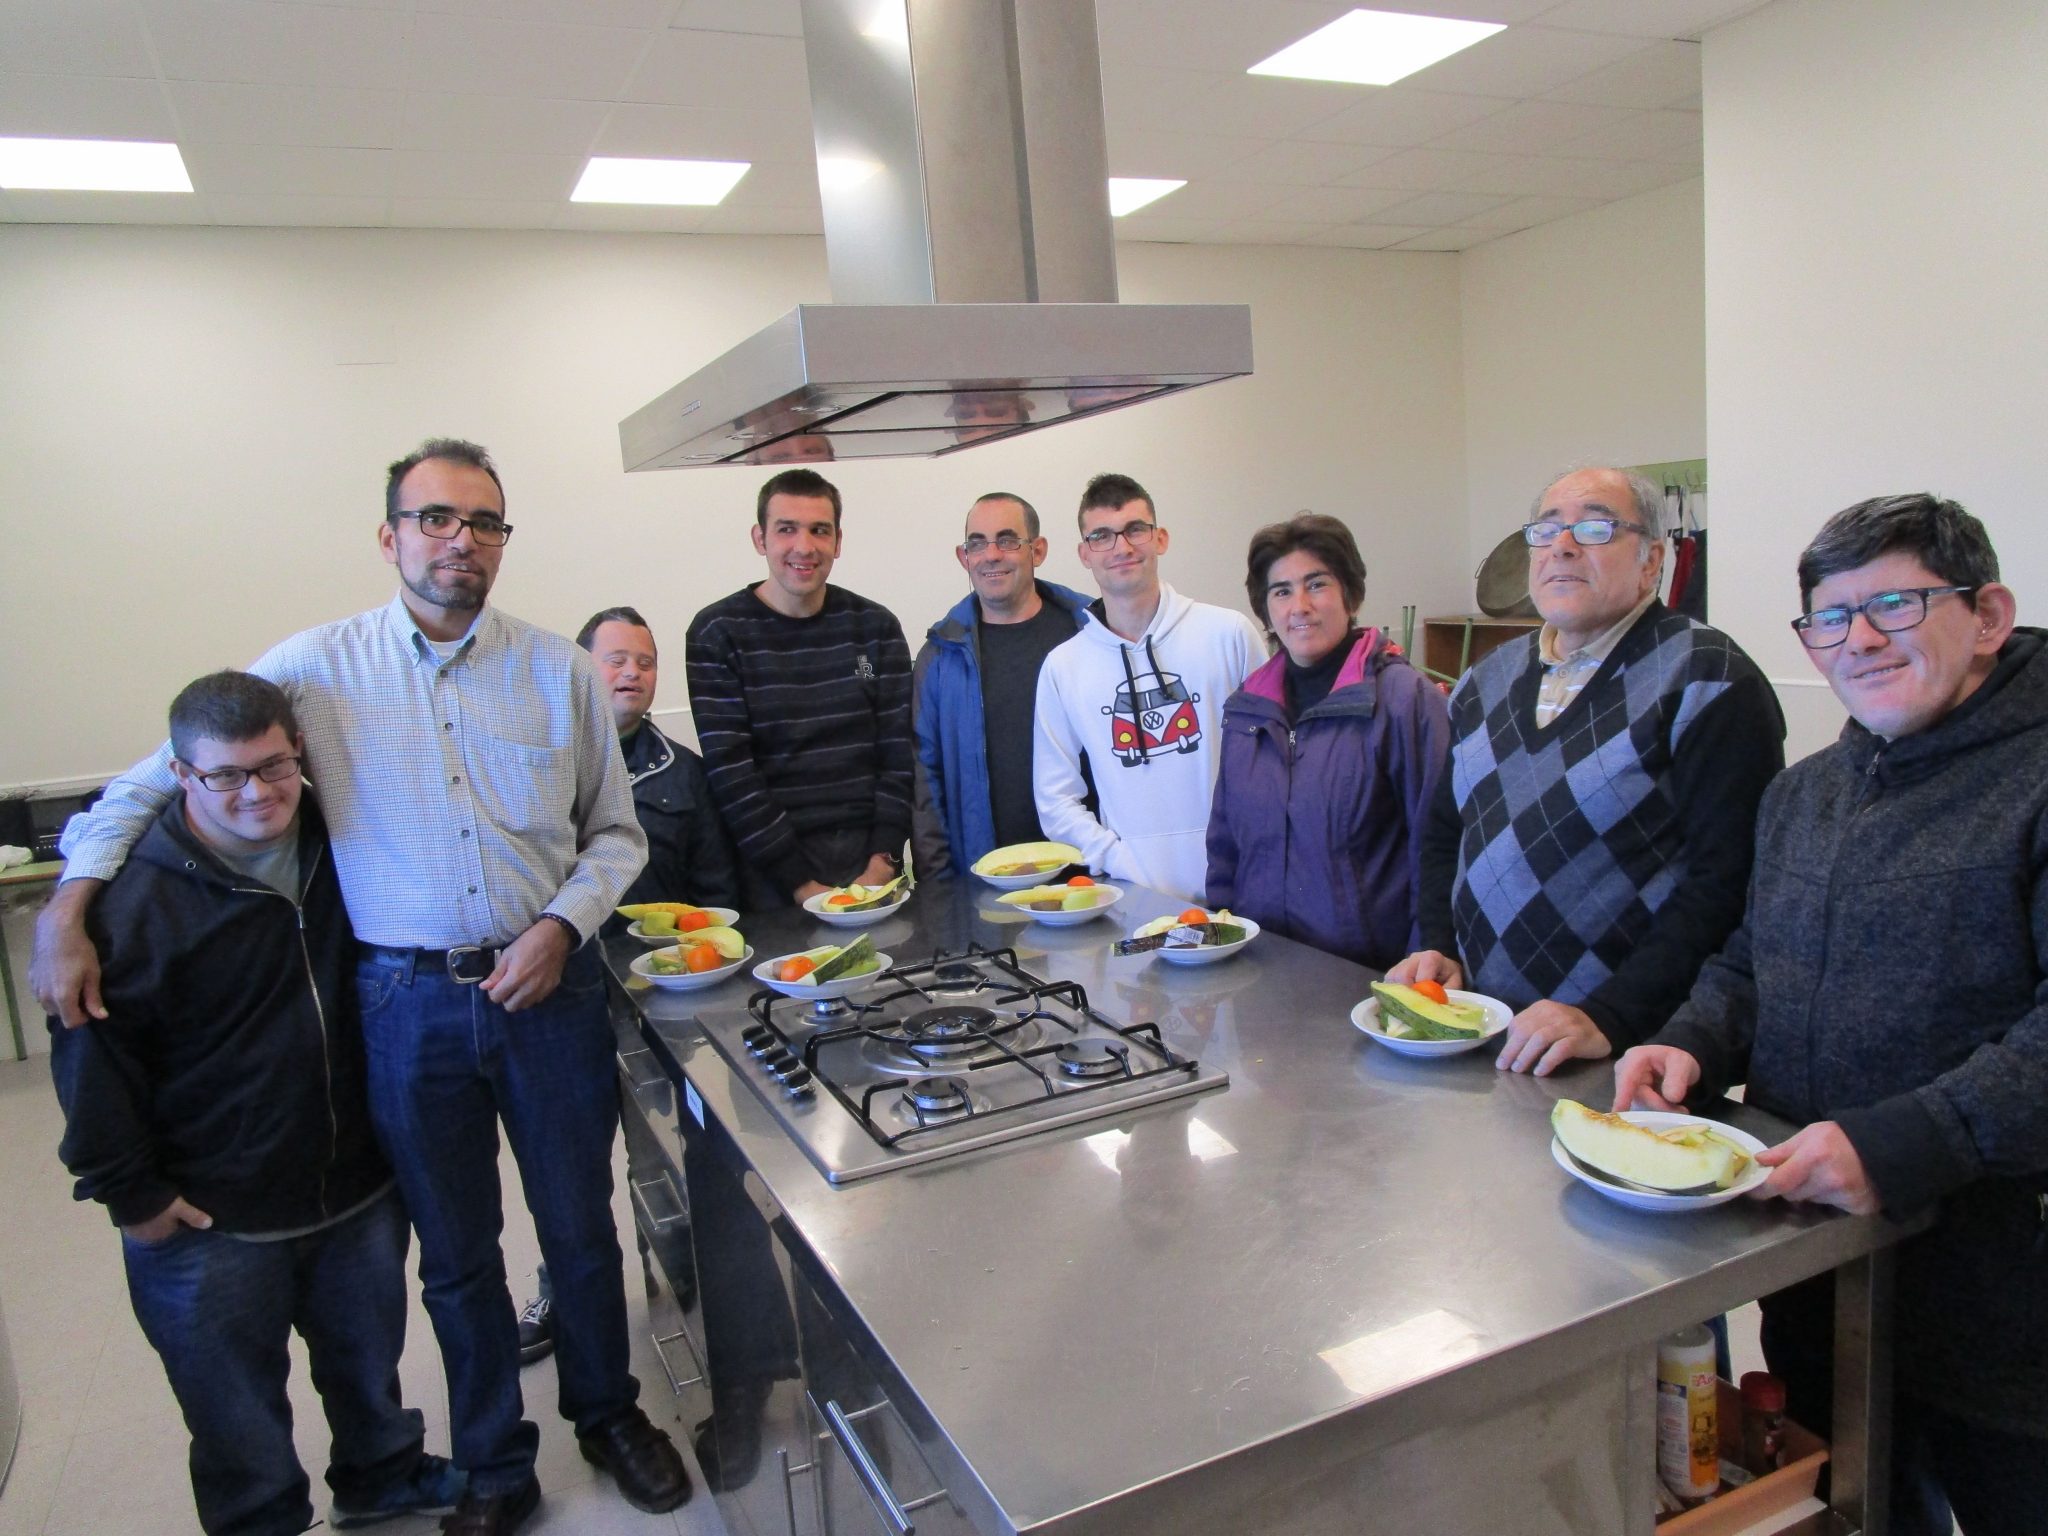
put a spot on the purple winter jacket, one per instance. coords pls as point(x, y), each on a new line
point(1316, 832)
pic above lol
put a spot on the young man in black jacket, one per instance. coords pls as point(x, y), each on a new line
point(219, 1113)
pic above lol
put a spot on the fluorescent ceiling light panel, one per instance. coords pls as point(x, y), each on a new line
point(91, 165)
point(1127, 194)
point(691, 183)
point(1374, 47)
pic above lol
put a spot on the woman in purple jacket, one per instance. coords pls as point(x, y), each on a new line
point(1331, 755)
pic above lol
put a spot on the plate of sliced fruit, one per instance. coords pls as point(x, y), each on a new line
point(855, 906)
point(827, 971)
point(1649, 1160)
point(1195, 936)
point(1081, 900)
point(700, 959)
point(1023, 865)
point(663, 922)
point(1428, 1019)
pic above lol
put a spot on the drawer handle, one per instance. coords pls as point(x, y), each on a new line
point(675, 1383)
point(878, 1490)
point(644, 1201)
point(626, 1061)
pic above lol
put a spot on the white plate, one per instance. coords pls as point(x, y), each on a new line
point(1209, 954)
point(1644, 1200)
point(687, 981)
point(1023, 882)
point(1366, 1016)
point(721, 917)
point(1078, 915)
point(764, 973)
point(833, 917)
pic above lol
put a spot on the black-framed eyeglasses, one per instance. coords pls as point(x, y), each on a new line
point(1587, 530)
point(1009, 543)
point(224, 781)
point(1137, 535)
point(1888, 612)
point(441, 523)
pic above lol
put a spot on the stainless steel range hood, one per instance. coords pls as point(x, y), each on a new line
point(967, 231)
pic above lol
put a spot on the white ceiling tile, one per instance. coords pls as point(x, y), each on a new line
point(780, 18)
point(441, 173)
point(1532, 127)
point(1661, 75)
point(1396, 117)
point(520, 125)
point(219, 112)
point(1202, 101)
point(1524, 61)
point(723, 69)
point(1265, 232)
point(644, 14)
point(632, 216)
point(1365, 237)
point(1166, 231)
point(1334, 205)
point(331, 212)
point(1550, 176)
point(784, 186)
point(485, 57)
point(74, 37)
point(647, 129)
point(1671, 136)
point(103, 208)
point(1452, 239)
point(277, 44)
point(83, 107)
point(1145, 152)
point(1228, 38)
point(473, 213)
point(1433, 208)
point(728, 220)
point(1648, 18)
point(1219, 200)
point(1508, 12)
point(1527, 212)
point(1421, 170)
point(274, 170)
point(1302, 162)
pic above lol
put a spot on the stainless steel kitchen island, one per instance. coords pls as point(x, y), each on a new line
point(1348, 1291)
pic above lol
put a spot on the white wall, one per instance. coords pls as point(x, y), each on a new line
point(194, 424)
point(1583, 342)
point(1876, 235)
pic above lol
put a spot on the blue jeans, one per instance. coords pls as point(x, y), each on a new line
point(446, 1066)
point(220, 1313)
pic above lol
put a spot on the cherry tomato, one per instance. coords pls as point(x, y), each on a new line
point(1430, 989)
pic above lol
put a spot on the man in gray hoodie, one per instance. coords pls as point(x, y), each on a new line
point(1888, 993)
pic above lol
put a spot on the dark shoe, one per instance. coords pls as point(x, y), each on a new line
point(730, 1459)
point(493, 1514)
point(537, 1330)
point(642, 1460)
point(433, 1487)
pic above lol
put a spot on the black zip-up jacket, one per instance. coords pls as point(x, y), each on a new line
point(1891, 975)
point(229, 1069)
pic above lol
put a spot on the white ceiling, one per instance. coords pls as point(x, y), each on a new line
point(480, 113)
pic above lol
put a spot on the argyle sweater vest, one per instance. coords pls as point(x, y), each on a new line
point(1573, 836)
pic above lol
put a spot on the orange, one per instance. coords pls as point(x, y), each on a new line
point(690, 922)
point(798, 968)
point(1433, 990)
point(1081, 880)
point(1193, 915)
point(703, 957)
point(839, 899)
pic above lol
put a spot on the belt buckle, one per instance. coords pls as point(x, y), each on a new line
point(460, 958)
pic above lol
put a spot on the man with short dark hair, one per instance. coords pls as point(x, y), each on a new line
point(975, 688)
point(483, 830)
point(1888, 993)
point(219, 1112)
point(801, 693)
point(1591, 844)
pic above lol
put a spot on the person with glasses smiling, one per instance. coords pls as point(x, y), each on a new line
point(1888, 993)
point(974, 686)
point(1592, 842)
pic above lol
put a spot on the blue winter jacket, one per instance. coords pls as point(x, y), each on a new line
point(953, 823)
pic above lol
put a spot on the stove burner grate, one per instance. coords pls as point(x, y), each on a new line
point(930, 1097)
point(1093, 1058)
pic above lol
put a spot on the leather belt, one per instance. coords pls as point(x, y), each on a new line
point(465, 964)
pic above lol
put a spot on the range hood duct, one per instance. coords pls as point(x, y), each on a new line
point(967, 231)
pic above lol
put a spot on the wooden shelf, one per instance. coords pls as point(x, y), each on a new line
point(1443, 639)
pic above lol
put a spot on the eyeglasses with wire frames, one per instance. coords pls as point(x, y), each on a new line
point(1587, 531)
point(225, 781)
point(1138, 535)
point(441, 523)
point(1888, 613)
point(1006, 541)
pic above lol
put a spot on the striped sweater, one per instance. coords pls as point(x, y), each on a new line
point(804, 725)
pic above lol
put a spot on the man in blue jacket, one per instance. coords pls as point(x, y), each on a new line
point(975, 686)
point(219, 1111)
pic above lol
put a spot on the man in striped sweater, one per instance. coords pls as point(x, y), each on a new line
point(801, 692)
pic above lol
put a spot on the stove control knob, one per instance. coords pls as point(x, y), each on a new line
point(757, 1037)
point(796, 1081)
point(777, 1059)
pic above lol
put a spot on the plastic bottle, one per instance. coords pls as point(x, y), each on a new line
point(1688, 1431)
point(1763, 1422)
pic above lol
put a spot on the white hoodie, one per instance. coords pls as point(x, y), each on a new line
point(1154, 764)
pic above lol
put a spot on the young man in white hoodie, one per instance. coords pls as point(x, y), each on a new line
point(1133, 703)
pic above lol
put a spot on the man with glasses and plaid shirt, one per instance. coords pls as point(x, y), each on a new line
point(1592, 842)
point(974, 688)
point(1888, 992)
point(483, 829)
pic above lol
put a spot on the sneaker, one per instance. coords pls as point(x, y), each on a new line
point(537, 1330)
point(433, 1487)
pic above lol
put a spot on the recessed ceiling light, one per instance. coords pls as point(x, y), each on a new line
point(91, 165)
point(698, 183)
point(1127, 194)
point(1374, 47)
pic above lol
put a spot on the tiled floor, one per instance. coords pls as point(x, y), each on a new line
point(102, 1447)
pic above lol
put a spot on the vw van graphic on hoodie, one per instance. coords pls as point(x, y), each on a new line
point(1153, 712)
